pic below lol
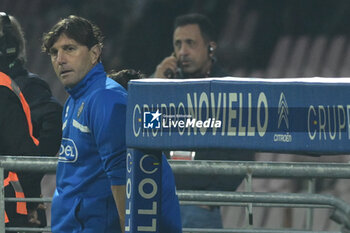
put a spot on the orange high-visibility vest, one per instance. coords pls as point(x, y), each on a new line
point(12, 176)
point(7, 82)
point(21, 206)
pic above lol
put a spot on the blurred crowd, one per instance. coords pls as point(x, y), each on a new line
point(138, 34)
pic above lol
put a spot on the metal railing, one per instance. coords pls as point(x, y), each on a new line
point(290, 170)
point(311, 171)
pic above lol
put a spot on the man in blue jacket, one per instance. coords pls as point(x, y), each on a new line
point(90, 192)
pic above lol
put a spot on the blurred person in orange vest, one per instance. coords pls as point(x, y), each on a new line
point(16, 133)
point(46, 112)
point(16, 138)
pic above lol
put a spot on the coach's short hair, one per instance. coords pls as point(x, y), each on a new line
point(77, 28)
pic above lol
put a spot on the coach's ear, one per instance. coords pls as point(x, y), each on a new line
point(95, 53)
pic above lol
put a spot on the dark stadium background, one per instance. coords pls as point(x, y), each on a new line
point(257, 38)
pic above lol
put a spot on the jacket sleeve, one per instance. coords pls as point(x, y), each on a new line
point(107, 122)
point(46, 115)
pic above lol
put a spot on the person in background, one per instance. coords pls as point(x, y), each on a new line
point(16, 139)
point(170, 221)
point(194, 42)
point(124, 76)
point(46, 112)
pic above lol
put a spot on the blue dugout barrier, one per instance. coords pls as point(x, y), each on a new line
point(301, 115)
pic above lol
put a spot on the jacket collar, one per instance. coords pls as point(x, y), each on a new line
point(92, 76)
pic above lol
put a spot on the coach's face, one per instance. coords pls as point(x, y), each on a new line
point(71, 60)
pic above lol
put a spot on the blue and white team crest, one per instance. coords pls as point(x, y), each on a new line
point(151, 120)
